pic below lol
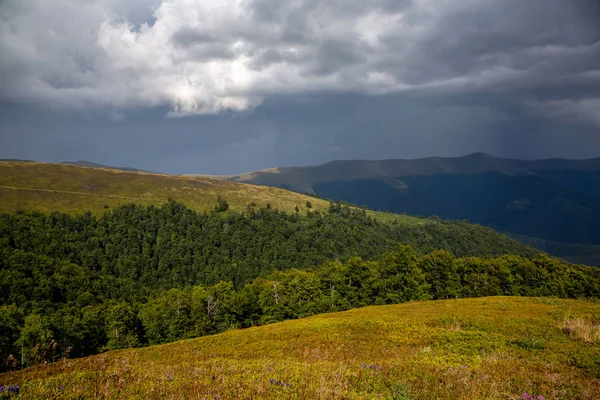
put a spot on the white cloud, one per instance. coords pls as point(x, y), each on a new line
point(206, 56)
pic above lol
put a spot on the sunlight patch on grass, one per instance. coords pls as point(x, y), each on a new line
point(582, 329)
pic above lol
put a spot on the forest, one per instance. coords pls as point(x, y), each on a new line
point(74, 285)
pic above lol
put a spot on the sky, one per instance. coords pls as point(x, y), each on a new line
point(229, 86)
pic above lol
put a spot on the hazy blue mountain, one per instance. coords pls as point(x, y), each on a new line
point(553, 200)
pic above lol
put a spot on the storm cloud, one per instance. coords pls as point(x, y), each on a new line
point(263, 83)
point(204, 57)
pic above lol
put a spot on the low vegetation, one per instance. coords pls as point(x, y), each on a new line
point(583, 329)
point(406, 351)
point(74, 189)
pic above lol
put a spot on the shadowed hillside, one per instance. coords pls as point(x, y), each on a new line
point(554, 200)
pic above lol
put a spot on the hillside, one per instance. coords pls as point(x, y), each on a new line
point(48, 187)
point(483, 348)
point(552, 200)
point(82, 163)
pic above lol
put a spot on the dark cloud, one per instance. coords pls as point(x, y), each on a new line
point(264, 83)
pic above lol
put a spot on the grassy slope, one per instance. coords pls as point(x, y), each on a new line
point(57, 187)
point(489, 348)
point(48, 187)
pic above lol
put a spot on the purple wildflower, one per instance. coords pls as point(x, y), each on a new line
point(14, 389)
point(540, 397)
point(2, 389)
point(527, 396)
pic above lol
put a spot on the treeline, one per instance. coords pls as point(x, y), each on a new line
point(172, 246)
point(79, 285)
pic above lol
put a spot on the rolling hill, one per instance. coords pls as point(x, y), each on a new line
point(71, 189)
point(553, 200)
point(48, 187)
point(483, 348)
point(82, 163)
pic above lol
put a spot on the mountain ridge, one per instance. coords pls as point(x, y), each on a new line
point(554, 199)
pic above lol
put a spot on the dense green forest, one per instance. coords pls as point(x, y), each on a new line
point(79, 285)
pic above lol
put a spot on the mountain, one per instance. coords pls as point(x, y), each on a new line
point(555, 200)
point(485, 348)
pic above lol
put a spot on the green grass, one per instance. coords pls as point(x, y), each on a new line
point(46, 187)
point(72, 189)
point(401, 219)
point(492, 348)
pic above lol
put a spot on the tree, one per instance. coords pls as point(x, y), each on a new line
point(11, 321)
point(166, 318)
point(212, 308)
point(222, 205)
point(440, 273)
point(36, 340)
point(121, 329)
point(400, 278)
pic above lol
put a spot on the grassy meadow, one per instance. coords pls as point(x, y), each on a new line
point(71, 189)
point(482, 348)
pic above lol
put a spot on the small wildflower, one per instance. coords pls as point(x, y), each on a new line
point(14, 389)
point(287, 384)
point(2, 389)
point(527, 396)
point(540, 397)
point(272, 381)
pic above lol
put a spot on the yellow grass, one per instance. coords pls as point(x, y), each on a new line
point(56, 187)
point(47, 187)
point(454, 349)
point(582, 329)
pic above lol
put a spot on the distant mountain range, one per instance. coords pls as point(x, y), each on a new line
point(555, 200)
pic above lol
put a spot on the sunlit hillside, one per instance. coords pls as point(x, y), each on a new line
point(483, 348)
point(68, 188)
